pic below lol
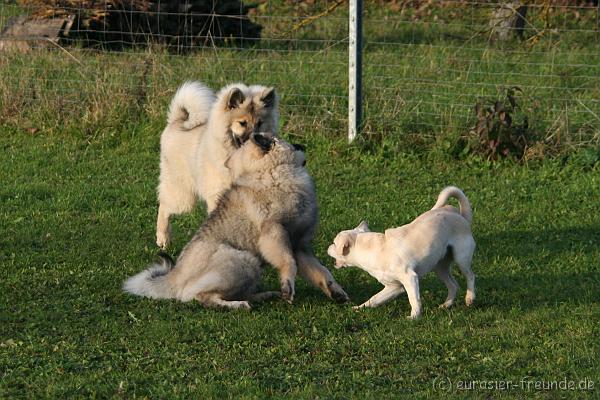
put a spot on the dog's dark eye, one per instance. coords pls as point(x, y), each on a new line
point(243, 123)
point(259, 123)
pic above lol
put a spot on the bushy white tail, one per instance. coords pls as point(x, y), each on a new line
point(453, 191)
point(191, 105)
point(151, 282)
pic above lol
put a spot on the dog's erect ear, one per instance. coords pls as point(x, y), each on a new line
point(262, 141)
point(236, 97)
point(363, 227)
point(342, 244)
point(269, 98)
point(346, 248)
point(299, 147)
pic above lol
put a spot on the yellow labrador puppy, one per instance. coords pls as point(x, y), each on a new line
point(399, 257)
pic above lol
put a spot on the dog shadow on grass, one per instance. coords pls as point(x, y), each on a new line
point(539, 267)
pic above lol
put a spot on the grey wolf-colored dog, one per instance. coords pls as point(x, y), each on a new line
point(268, 214)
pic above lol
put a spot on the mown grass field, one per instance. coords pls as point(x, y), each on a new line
point(79, 218)
point(80, 145)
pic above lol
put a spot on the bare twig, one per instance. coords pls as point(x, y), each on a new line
point(313, 18)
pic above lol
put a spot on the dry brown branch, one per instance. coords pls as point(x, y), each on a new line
point(313, 18)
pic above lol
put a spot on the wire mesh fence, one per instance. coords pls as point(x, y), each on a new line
point(426, 64)
point(446, 68)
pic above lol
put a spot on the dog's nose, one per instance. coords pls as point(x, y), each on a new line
point(263, 142)
point(299, 147)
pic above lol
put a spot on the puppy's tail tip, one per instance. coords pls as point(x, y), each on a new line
point(453, 191)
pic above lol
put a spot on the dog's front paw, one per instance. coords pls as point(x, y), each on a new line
point(361, 306)
point(162, 240)
point(287, 291)
point(337, 293)
point(447, 304)
point(469, 299)
point(241, 305)
point(414, 316)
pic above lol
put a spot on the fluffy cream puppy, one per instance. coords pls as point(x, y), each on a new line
point(202, 132)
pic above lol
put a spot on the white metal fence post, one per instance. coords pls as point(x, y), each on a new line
point(355, 69)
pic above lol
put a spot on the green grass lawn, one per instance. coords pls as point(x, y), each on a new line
point(78, 218)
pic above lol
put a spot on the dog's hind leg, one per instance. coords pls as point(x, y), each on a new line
point(163, 227)
point(174, 198)
point(314, 272)
point(177, 205)
point(274, 246)
point(443, 272)
point(215, 300)
point(463, 259)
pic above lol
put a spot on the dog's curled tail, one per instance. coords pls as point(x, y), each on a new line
point(153, 281)
point(453, 191)
point(191, 105)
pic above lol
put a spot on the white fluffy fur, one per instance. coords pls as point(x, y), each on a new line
point(191, 105)
point(144, 284)
point(194, 147)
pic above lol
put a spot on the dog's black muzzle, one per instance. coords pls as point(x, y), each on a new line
point(264, 142)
